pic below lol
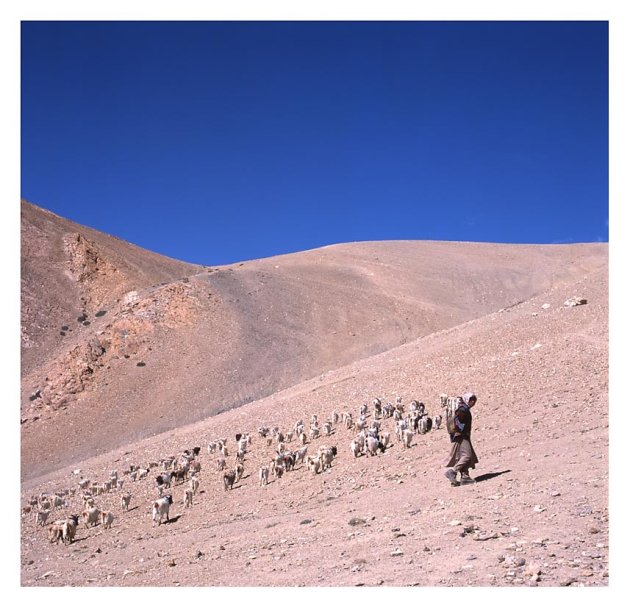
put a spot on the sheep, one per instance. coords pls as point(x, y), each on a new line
point(437, 421)
point(160, 509)
point(263, 431)
point(194, 484)
point(88, 502)
point(91, 516)
point(355, 448)
point(302, 438)
point(407, 437)
point(107, 518)
point(213, 446)
point(314, 420)
point(314, 432)
point(84, 483)
point(221, 464)
point(327, 428)
point(142, 473)
point(125, 499)
point(349, 422)
point(119, 484)
point(385, 439)
point(289, 436)
point(240, 469)
point(335, 417)
point(263, 475)
point(188, 498)
point(363, 410)
point(41, 517)
point(228, 480)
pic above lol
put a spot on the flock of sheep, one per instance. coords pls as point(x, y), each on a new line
point(369, 438)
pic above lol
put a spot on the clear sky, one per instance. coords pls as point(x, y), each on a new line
point(217, 142)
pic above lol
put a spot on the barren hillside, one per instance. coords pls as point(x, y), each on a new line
point(537, 516)
point(119, 344)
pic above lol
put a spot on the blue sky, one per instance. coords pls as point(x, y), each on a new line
point(218, 142)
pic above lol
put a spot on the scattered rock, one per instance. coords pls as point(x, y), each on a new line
point(396, 552)
point(100, 313)
point(575, 301)
point(357, 521)
point(140, 364)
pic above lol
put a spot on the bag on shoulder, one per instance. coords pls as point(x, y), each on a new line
point(450, 405)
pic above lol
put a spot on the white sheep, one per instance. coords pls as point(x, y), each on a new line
point(263, 474)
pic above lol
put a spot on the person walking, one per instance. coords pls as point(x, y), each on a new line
point(462, 457)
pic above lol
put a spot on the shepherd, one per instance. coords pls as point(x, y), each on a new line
point(462, 457)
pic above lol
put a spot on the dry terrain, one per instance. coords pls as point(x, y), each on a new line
point(226, 350)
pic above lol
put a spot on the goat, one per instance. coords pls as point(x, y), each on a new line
point(107, 518)
point(240, 469)
point(125, 499)
point(407, 437)
point(188, 498)
point(263, 474)
point(327, 428)
point(313, 464)
point(41, 517)
point(91, 516)
point(437, 421)
point(326, 456)
point(300, 454)
point(194, 484)
point(220, 464)
point(228, 480)
point(160, 509)
point(164, 479)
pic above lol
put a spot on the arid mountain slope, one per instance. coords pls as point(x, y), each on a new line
point(68, 270)
point(165, 344)
point(537, 516)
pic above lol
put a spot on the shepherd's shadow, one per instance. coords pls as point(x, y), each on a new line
point(487, 476)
